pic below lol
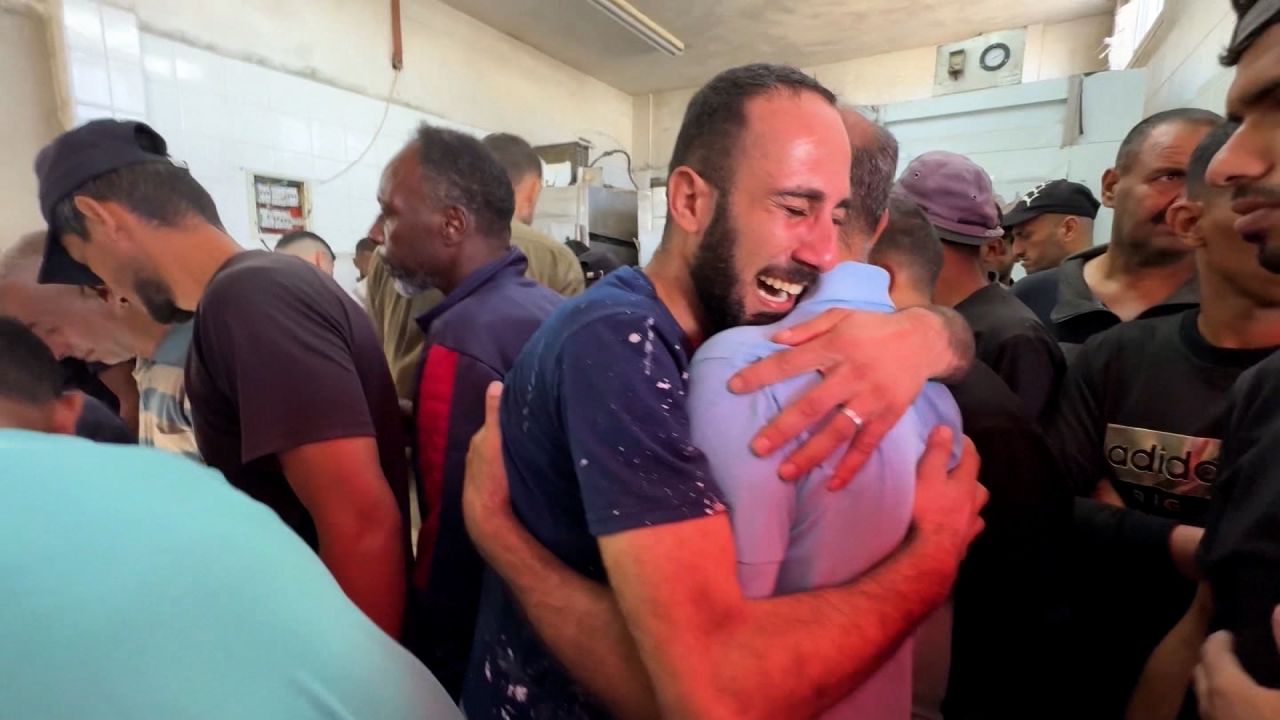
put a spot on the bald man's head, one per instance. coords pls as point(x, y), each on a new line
point(875, 160)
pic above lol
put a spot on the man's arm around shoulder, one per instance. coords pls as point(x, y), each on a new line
point(711, 653)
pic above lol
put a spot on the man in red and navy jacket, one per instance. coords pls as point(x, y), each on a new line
point(446, 215)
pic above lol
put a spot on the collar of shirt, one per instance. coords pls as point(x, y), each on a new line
point(851, 283)
point(1076, 299)
point(512, 264)
point(172, 348)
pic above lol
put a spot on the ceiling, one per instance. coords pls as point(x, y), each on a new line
point(723, 33)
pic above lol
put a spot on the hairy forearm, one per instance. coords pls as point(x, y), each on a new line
point(1163, 685)
point(577, 619)
point(955, 351)
point(772, 642)
point(368, 564)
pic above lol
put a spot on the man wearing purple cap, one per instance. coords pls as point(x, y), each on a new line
point(957, 197)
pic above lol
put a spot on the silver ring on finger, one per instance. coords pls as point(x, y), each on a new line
point(854, 416)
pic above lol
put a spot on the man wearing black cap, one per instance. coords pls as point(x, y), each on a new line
point(1050, 223)
point(1145, 271)
point(290, 394)
point(956, 196)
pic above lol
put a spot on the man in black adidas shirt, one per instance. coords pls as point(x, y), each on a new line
point(1239, 668)
point(1141, 412)
point(1145, 271)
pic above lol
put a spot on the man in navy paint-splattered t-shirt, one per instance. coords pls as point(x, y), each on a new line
point(618, 591)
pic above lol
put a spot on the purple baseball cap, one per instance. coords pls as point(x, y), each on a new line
point(955, 194)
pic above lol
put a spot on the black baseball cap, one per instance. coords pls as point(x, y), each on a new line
point(74, 158)
point(1062, 197)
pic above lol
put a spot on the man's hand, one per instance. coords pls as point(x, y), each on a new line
point(1225, 691)
point(486, 497)
point(872, 364)
point(947, 504)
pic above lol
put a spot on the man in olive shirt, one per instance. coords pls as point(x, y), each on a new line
point(551, 263)
point(395, 308)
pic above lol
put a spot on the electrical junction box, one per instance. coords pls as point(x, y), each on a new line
point(981, 62)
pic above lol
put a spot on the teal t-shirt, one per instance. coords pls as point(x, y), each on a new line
point(138, 584)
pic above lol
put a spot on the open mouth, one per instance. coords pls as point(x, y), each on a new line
point(777, 291)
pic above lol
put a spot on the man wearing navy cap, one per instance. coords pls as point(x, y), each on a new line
point(957, 197)
point(1050, 223)
point(1145, 271)
point(290, 395)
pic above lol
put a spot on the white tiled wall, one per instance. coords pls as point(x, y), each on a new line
point(104, 60)
point(227, 118)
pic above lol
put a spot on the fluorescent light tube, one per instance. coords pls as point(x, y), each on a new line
point(640, 24)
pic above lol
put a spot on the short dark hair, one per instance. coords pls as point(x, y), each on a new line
point(29, 373)
point(716, 116)
point(515, 155)
point(872, 178)
point(300, 236)
point(1137, 137)
point(910, 240)
point(366, 245)
point(160, 192)
point(462, 172)
point(1240, 44)
point(1198, 166)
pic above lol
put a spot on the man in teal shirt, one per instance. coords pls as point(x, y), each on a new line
point(139, 584)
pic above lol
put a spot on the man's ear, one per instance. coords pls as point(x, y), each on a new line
point(1184, 217)
point(881, 224)
point(691, 201)
point(1109, 179)
point(457, 223)
point(99, 220)
point(1070, 227)
point(66, 413)
point(992, 250)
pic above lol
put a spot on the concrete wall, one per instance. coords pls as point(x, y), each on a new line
point(455, 67)
point(1181, 57)
point(30, 117)
point(1053, 51)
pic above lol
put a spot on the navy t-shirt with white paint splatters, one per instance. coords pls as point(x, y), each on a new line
point(596, 438)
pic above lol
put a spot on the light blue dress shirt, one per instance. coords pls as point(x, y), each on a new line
point(792, 537)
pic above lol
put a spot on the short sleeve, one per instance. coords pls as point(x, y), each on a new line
point(279, 347)
point(624, 404)
point(763, 506)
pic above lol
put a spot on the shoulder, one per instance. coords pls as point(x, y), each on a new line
point(533, 241)
point(511, 311)
point(1045, 281)
point(257, 274)
point(744, 345)
point(1132, 335)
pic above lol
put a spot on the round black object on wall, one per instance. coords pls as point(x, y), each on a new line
point(995, 56)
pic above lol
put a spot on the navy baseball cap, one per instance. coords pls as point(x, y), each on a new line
point(1061, 197)
point(74, 158)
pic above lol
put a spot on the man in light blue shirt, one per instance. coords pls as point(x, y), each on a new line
point(795, 537)
point(139, 584)
point(802, 536)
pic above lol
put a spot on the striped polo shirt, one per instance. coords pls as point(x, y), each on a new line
point(164, 412)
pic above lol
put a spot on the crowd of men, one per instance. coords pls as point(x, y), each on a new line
point(816, 459)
